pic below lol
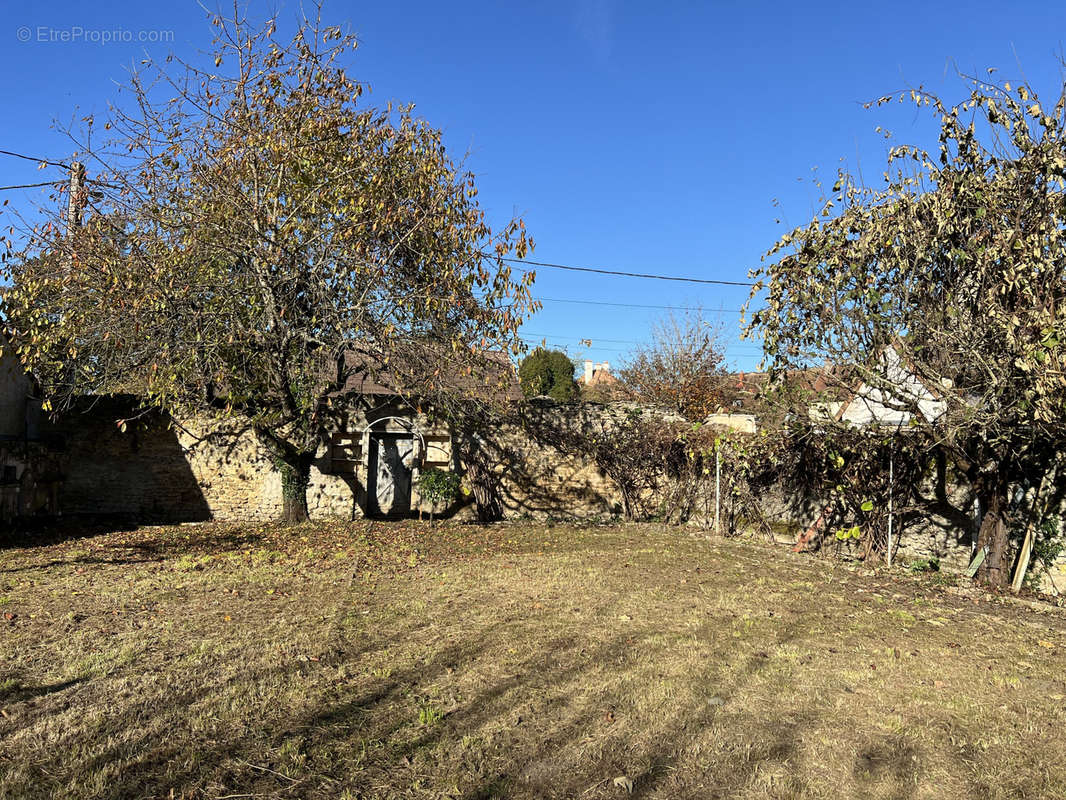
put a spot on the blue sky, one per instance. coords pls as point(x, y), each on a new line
point(632, 136)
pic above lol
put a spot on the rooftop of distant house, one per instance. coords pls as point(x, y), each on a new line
point(597, 375)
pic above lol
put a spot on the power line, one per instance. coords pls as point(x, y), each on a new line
point(530, 334)
point(581, 338)
point(32, 158)
point(749, 349)
point(581, 301)
point(640, 305)
point(28, 185)
point(629, 274)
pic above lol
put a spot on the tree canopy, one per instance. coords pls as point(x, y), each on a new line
point(957, 260)
point(549, 373)
point(682, 368)
point(257, 235)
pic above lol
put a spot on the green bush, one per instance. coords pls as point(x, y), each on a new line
point(931, 564)
point(439, 486)
point(547, 372)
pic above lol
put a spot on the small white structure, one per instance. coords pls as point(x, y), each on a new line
point(870, 405)
point(745, 423)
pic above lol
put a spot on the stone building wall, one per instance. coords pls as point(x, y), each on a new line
point(195, 469)
point(239, 481)
point(141, 472)
point(18, 409)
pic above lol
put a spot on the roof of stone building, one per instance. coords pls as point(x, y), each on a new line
point(489, 375)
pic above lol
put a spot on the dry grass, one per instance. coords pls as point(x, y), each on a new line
point(513, 661)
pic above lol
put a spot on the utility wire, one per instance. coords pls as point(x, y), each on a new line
point(639, 305)
point(629, 274)
point(536, 337)
point(28, 185)
point(682, 279)
point(600, 339)
point(32, 158)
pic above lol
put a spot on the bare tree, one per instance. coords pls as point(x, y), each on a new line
point(682, 367)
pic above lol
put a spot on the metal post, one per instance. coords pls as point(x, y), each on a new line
point(891, 487)
point(717, 489)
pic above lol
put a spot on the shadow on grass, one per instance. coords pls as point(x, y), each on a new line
point(123, 550)
point(31, 532)
point(12, 691)
point(543, 724)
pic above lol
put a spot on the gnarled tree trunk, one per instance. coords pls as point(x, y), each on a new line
point(483, 480)
point(295, 477)
point(994, 497)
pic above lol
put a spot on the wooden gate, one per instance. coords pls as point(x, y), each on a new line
point(391, 461)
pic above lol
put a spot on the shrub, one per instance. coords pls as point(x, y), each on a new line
point(439, 486)
point(547, 372)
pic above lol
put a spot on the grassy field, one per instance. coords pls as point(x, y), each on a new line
point(395, 660)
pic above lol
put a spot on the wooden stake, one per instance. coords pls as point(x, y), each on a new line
point(1027, 542)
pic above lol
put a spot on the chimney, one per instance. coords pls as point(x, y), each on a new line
point(588, 372)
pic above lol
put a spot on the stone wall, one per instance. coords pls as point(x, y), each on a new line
point(538, 481)
point(239, 481)
point(17, 409)
point(141, 472)
point(930, 529)
point(157, 469)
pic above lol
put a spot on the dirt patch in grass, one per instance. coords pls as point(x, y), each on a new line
point(400, 660)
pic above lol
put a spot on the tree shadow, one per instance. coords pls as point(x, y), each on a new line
point(140, 469)
point(12, 691)
point(889, 762)
point(541, 710)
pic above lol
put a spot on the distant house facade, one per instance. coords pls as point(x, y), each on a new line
point(829, 395)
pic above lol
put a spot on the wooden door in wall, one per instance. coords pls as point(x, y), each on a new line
point(389, 470)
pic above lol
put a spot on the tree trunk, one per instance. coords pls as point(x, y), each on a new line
point(627, 505)
point(993, 533)
point(483, 484)
point(294, 480)
point(483, 481)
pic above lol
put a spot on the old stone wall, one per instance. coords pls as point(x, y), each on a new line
point(239, 481)
point(17, 408)
point(141, 471)
point(157, 469)
point(929, 529)
point(540, 479)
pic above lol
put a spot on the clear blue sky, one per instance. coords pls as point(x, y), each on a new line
point(633, 136)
